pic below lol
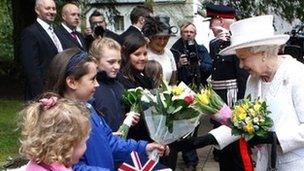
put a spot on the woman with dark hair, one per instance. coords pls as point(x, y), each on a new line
point(134, 60)
point(134, 57)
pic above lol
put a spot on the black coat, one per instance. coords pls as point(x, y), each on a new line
point(140, 130)
point(129, 31)
point(107, 100)
point(227, 67)
point(107, 33)
point(36, 52)
point(186, 73)
point(69, 41)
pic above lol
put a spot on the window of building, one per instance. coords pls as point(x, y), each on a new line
point(119, 23)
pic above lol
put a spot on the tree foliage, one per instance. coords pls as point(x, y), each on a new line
point(6, 31)
point(150, 4)
point(287, 9)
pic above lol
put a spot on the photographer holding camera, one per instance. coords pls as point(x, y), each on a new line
point(194, 64)
point(98, 27)
point(194, 67)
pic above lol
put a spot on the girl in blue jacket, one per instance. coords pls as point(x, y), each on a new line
point(72, 74)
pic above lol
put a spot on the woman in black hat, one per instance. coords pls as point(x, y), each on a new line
point(158, 30)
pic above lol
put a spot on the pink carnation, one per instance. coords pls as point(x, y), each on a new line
point(189, 99)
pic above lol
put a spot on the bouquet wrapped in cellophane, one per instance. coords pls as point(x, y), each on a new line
point(170, 113)
point(130, 98)
point(250, 118)
point(211, 104)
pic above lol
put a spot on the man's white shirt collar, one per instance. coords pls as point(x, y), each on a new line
point(67, 28)
point(44, 24)
point(137, 27)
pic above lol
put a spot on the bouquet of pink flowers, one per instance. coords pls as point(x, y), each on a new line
point(211, 104)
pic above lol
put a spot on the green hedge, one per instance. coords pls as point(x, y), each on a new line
point(6, 31)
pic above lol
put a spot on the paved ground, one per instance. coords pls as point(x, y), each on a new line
point(206, 161)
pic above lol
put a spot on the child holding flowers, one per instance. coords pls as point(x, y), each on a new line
point(54, 133)
point(108, 96)
point(72, 74)
point(134, 60)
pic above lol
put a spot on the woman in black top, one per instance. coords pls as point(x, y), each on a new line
point(134, 58)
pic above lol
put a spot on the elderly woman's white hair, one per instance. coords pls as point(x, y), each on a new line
point(268, 49)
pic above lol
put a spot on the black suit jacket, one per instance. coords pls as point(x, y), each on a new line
point(129, 31)
point(107, 33)
point(69, 41)
point(36, 52)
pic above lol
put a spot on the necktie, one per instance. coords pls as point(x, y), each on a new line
point(74, 36)
point(55, 39)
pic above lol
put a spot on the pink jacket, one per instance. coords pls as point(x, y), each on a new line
point(33, 166)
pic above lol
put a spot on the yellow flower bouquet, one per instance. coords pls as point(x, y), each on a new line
point(211, 104)
point(250, 118)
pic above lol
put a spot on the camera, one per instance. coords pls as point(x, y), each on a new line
point(191, 52)
point(98, 30)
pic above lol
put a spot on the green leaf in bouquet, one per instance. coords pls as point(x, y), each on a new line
point(164, 85)
point(186, 113)
point(136, 107)
point(161, 106)
point(261, 133)
point(169, 123)
point(196, 87)
point(132, 98)
point(170, 110)
point(235, 131)
point(206, 109)
point(124, 130)
point(217, 100)
point(177, 109)
point(247, 136)
point(268, 122)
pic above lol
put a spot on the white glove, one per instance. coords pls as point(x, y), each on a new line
point(223, 136)
point(131, 119)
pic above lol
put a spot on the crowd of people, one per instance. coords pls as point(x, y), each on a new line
point(74, 85)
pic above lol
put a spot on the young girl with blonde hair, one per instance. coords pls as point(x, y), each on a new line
point(108, 96)
point(54, 133)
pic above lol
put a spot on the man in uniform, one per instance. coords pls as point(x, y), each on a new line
point(228, 81)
